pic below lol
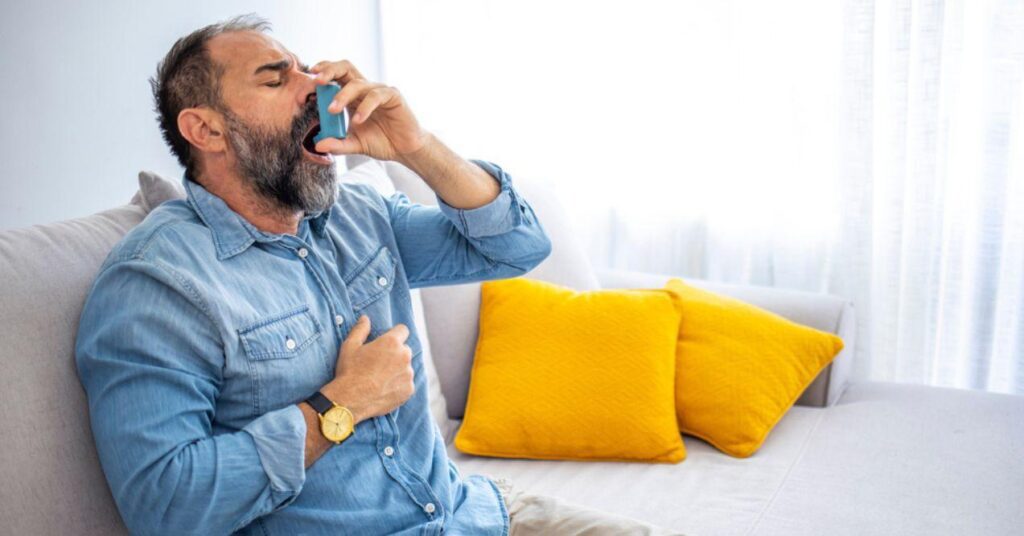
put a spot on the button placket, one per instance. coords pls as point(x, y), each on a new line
point(385, 438)
point(312, 266)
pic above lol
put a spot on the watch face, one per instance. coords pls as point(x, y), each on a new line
point(337, 424)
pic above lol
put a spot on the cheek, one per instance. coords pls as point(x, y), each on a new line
point(267, 113)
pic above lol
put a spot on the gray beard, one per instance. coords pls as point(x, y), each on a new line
point(272, 164)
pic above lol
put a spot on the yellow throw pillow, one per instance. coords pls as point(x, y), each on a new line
point(740, 368)
point(565, 375)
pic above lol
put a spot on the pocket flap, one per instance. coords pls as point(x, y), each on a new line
point(373, 280)
point(280, 336)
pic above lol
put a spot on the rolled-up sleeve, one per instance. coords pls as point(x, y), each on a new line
point(500, 215)
point(444, 245)
point(280, 438)
point(151, 362)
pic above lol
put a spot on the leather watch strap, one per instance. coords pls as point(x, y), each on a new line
point(320, 402)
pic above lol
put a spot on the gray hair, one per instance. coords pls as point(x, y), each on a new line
point(188, 78)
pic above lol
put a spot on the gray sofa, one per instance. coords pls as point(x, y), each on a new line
point(849, 458)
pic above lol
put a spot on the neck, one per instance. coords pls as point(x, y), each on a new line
point(264, 214)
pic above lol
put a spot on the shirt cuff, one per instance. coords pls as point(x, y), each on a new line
point(499, 216)
point(280, 438)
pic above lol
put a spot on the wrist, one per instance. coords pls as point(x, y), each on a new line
point(336, 391)
point(420, 160)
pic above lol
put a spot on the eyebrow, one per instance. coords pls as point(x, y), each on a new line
point(281, 66)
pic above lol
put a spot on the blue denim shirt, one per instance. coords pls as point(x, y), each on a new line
point(201, 334)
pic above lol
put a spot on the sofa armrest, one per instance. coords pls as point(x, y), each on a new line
point(820, 311)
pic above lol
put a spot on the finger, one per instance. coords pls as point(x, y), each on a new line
point(357, 336)
point(373, 99)
point(353, 91)
point(319, 76)
point(343, 71)
point(348, 145)
point(400, 331)
point(319, 66)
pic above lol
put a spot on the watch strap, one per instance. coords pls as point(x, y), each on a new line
point(320, 403)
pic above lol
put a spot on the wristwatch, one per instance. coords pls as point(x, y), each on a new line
point(336, 422)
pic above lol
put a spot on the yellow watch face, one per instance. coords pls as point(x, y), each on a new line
point(336, 424)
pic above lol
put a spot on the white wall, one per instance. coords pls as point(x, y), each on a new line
point(75, 105)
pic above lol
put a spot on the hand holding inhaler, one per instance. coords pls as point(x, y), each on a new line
point(382, 125)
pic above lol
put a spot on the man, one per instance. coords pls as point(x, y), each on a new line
point(249, 353)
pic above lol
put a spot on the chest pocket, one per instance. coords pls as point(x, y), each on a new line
point(370, 285)
point(285, 356)
point(280, 336)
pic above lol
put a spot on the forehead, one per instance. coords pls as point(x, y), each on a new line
point(240, 53)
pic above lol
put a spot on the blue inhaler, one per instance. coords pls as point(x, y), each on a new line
point(331, 125)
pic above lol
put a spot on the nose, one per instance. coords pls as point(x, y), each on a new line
point(307, 88)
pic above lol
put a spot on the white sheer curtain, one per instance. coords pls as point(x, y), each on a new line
point(933, 233)
point(870, 149)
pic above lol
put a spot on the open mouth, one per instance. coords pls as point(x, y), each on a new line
point(309, 146)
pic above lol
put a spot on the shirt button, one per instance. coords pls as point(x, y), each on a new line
point(290, 344)
point(339, 320)
point(388, 451)
point(429, 508)
point(382, 281)
point(303, 252)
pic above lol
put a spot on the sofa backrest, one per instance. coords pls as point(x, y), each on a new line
point(452, 312)
point(52, 481)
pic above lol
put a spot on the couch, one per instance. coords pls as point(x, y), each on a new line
point(848, 458)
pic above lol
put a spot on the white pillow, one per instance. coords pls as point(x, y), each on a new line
point(154, 189)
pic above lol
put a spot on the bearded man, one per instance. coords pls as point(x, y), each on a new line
point(249, 353)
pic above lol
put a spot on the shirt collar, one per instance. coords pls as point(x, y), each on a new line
point(233, 234)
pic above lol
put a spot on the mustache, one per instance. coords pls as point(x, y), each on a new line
point(306, 118)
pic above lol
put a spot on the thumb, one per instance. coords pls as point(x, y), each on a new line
point(359, 333)
point(346, 145)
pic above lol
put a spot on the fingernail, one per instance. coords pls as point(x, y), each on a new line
point(357, 118)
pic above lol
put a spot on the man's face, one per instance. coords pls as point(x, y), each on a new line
point(271, 117)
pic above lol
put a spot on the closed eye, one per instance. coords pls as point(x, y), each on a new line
point(274, 84)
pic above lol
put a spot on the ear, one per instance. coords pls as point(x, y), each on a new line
point(203, 128)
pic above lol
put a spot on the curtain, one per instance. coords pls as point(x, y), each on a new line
point(872, 149)
point(933, 169)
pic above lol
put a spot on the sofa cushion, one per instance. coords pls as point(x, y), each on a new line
point(52, 482)
point(886, 459)
point(707, 494)
point(563, 374)
point(454, 310)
